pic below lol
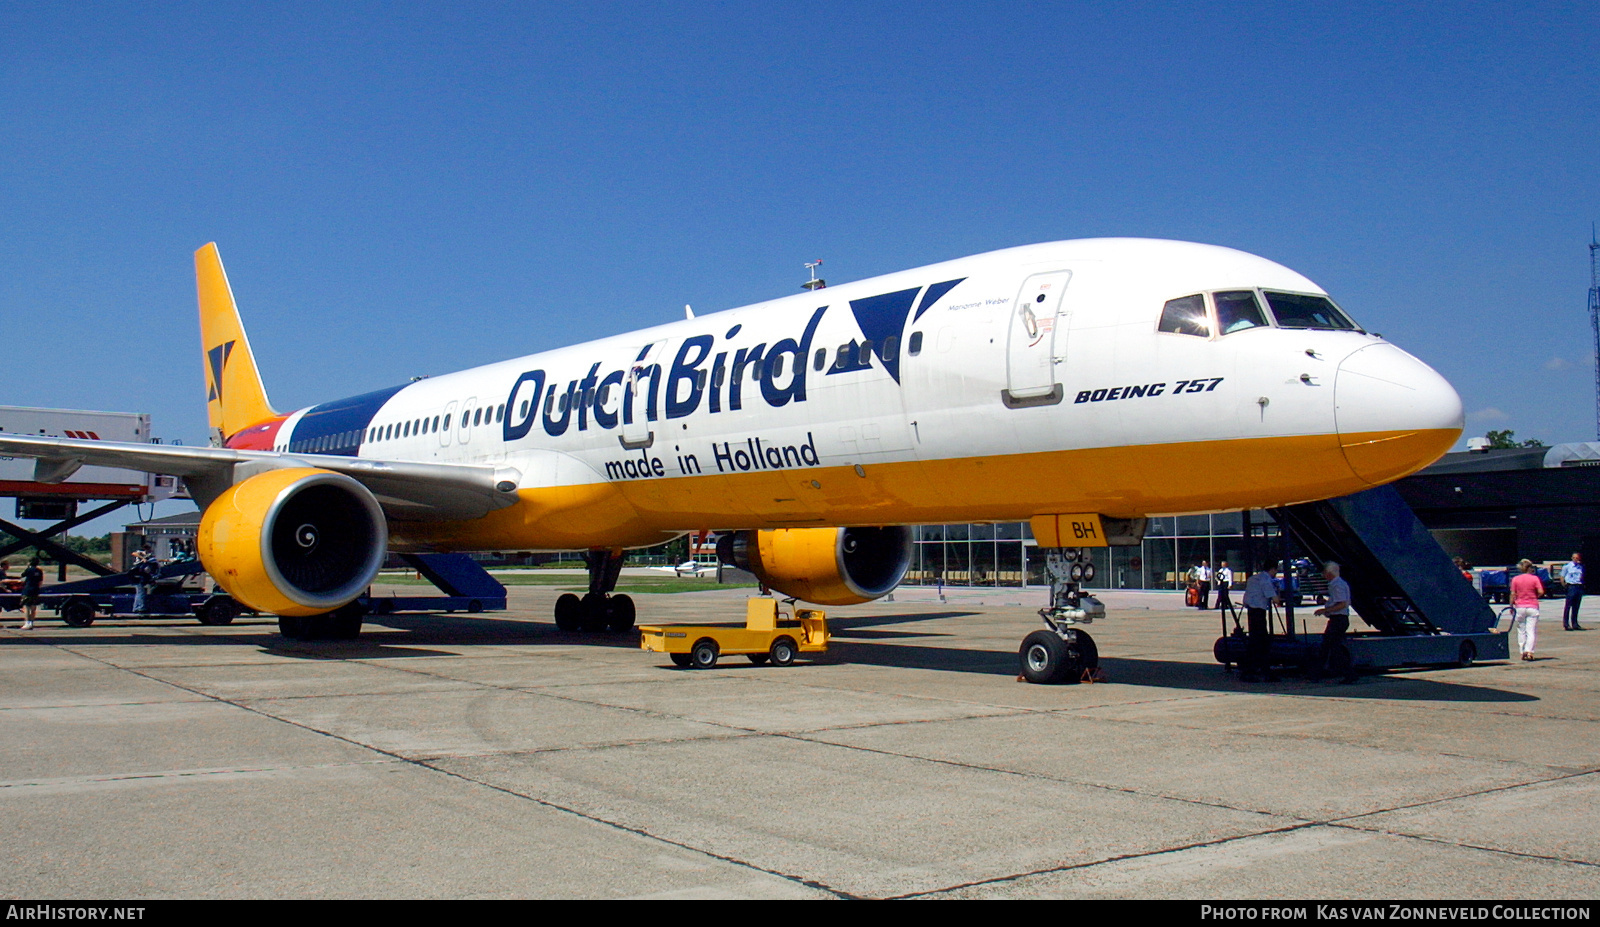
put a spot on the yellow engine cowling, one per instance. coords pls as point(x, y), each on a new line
point(828, 566)
point(296, 542)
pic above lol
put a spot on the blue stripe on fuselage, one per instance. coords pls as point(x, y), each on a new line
point(340, 426)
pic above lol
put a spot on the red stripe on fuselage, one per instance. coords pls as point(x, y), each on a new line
point(256, 437)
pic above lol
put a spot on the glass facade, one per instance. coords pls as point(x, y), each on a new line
point(1006, 554)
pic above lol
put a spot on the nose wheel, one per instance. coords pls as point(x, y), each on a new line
point(1062, 652)
point(1048, 658)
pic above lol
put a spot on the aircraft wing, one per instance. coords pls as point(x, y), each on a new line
point(407, 490)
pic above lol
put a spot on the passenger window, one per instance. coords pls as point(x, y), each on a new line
point(447, 422)
point(842, 359)
point(891, 347)
point(1186, 315)
point(777, 366)
point(477, 414)
point(821, 359)
point(700, 377)
point(1304, 310)
point(500, 410)
point(1238, 310)
point(914, 346)
point(524, 408)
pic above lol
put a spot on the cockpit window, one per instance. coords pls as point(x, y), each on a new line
point(1303, 310)
point(1238, 310)
point(1186, 315)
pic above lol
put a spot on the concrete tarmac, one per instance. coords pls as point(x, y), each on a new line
point(493, 756)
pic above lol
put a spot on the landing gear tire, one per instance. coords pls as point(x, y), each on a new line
point(594, 611)
point(344, 623)
point(218, 611)
point(569, 612)
point(77, 613)
point(783, 651)
point(619, 614)
point(704, 654)
point(341, 624)
point(1048, 660)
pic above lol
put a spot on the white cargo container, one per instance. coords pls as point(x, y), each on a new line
point(17, 474)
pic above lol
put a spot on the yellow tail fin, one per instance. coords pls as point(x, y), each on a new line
point(235, 398)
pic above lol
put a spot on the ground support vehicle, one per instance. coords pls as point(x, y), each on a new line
point(1402, 584)
point(80, 603)
point(770, 634)
point(466, 585)
point(1368, 651)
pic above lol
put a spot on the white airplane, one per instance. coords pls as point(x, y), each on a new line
point(688, 568)
point(1081, 385)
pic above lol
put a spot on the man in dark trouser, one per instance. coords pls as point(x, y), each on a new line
point(1224, 578)
point(1260, 594)
point(1338, 612)
point(1572, 576)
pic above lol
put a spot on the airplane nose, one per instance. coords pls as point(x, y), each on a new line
point(1394, 413)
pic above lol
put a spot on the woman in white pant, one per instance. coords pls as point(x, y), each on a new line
point(1525, 592)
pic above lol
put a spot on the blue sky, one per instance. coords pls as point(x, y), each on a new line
point(401, 188)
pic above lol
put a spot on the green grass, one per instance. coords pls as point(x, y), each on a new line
point(633, 585)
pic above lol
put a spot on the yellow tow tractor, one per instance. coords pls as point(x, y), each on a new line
point(769, 634)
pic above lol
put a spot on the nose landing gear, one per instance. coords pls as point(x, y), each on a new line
point(1062, 653)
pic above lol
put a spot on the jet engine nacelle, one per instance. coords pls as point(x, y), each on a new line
point(828, 566)
point(298, 541)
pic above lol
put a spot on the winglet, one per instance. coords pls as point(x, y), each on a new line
point(235, 399)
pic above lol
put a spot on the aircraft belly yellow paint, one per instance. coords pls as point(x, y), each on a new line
point(1114, 482)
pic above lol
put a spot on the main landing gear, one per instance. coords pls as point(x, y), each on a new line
point(341, 624)
point(1062, 653)
point(598, 609)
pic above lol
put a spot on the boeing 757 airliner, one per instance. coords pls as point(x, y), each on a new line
point(1081, 385)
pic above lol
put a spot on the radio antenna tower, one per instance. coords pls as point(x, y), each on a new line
point(1594, 320)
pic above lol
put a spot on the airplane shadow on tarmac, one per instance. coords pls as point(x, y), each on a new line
point(855, 640)
point(1171, 674)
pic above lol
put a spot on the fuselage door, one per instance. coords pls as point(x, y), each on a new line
point(1031, 347)
point(639, 395)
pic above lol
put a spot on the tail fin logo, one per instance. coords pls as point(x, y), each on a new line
point(218, 356)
